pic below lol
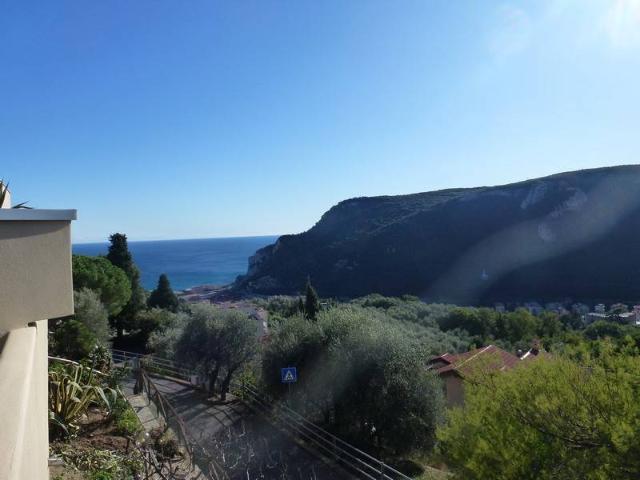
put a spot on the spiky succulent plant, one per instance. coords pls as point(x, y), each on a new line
point(4, 189)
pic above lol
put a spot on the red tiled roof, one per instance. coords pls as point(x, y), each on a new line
point(495, 358)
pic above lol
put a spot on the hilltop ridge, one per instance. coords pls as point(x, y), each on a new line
point(566, 235)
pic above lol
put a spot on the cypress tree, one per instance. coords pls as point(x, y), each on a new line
point(311, 302)
point(119, 253)
point(120, 256)
point(163, 296)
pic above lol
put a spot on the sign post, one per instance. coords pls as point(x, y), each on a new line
point(289, 375)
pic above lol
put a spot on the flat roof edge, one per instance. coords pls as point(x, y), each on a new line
point(36, 215)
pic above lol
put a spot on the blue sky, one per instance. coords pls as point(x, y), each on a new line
point(181, 119)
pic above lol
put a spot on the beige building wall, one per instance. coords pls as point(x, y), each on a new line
point(35, 284)
point(454, 390)
point(24, 432)
point(35, 263)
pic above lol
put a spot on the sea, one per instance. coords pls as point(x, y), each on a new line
point(188, 263)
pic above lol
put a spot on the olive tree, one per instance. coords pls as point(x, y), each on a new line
point(360, 376)
point(156, 321)
point(217, 342)
point(93, 314)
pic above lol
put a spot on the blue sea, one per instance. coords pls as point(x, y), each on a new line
point(187, 263)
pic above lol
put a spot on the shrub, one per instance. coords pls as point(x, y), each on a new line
point(165, 443)
point(127, 423)
point(92, 313)
point(101, 475)
point(72, 389)
point(155, 320)
point(73, 340)
point(100, 359)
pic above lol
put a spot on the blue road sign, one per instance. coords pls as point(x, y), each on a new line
point(288, 375)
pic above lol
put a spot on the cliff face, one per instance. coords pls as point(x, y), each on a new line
point(568, 235)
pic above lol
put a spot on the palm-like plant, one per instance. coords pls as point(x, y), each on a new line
point(4, 188)
point(72, 389)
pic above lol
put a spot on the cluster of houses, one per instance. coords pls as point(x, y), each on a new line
point(618, 311)
point(454, 368)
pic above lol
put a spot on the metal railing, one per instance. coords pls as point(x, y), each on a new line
point(151, 363)
point(74, 363)
point(172, 419)
point(167, 368)
point(165, 409)
point(121, 356)
point(349, 457)
point(153, 468)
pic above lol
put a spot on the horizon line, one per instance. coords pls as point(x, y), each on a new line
point(176, 239)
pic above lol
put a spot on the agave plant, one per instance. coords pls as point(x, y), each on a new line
point(4, 188)
point(72, 389)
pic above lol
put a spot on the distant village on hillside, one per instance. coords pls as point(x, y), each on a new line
point(619, 312)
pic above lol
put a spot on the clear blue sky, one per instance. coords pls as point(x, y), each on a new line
point(179, 119)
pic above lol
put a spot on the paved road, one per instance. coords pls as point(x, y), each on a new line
point(202, 417)
point(250, 447)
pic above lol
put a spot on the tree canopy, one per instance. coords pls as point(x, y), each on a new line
point(311, 301)
point(550, 419)
point(73, 340)
point(155, 321)
point(512, 330)
point(359, 376)
point(120, 256)
point(119, 253)
point(99, 274)
point(216, 342)
point(92, 314)
point(163, 296)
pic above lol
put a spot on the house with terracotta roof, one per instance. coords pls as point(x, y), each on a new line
point(454, 369)
point(536, 351)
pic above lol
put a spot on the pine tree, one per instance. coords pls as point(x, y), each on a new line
point(163, 296)
point(312, 301)
point(120, 256)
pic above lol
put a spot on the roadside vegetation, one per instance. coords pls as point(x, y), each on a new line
point(111, 307)
point(362, 374)
point(217, 343)
point(359, 377)
point(570, 414)
point(94, 432)
point(92, 428)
